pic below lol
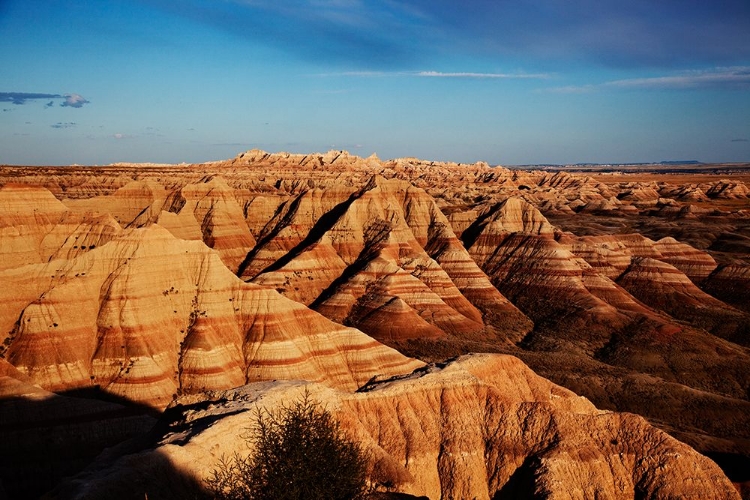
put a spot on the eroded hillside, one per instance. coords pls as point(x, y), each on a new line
point(480, 426)
point(151, 282)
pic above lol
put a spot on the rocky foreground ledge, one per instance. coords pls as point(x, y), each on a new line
point(480, 426)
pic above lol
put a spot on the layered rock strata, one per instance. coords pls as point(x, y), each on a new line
point(147, 316)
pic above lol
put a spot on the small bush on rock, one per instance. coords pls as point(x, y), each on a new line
point(299, 452)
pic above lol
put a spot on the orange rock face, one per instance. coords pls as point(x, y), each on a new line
point(666, 288)
point(216, 213)
point(147, 316)
point(383, 259)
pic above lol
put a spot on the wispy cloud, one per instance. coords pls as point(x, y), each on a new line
point(63, 125)
point(440, 74)
point(21, 98)
point(572, 89)
point(381, 33)
point(613, 33)
point(330, 92)
point(725, 78)
point(365, 74)
point(738, 77)
point(394, 34)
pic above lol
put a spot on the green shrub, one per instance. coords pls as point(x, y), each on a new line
point(299, 452)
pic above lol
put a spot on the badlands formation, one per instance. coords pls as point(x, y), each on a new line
point(212, 290)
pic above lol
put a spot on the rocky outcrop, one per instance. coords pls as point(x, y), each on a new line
point(216, 214)
point(689, 193)
point(148, 316)
point(546, 280)
point(35, 227)
point(728, 189)
point(134, 205)
point(585, 317)
point(481, 426)
point(666, 288)
point(731, 283)
point(297, 227)
point(207, 210)
point(384, 260)
point(511, 216)
point(697, 265)
point(606, 254)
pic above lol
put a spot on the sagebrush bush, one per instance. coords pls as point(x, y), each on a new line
point(299, 452)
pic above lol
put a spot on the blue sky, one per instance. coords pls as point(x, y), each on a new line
point(508, 82)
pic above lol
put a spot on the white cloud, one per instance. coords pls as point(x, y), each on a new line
point(694, 79)
point(74, 101)
point(730, 78)
point(439, 74)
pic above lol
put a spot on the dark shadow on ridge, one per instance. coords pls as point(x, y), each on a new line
point(471, 233)
point(43, 440)
point(735, 466)
point(324, 224)
point(521, 483)
point(152, 475)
